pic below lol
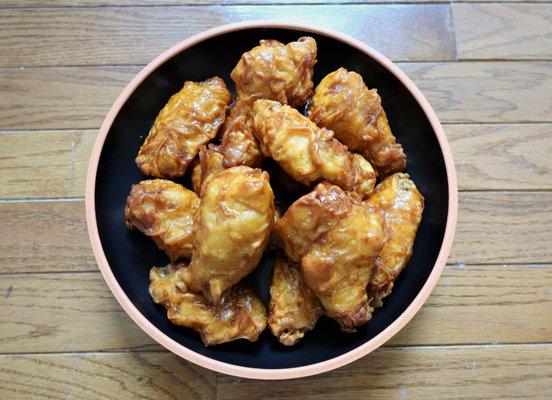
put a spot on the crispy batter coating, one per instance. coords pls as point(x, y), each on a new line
point(164, 211)
point(276, 71)
point(191, 118)
point(210, 161)
point(239, 313)
point(402, 206)
point(308, 153)
point(238, 147)
point(335, 238)
point(231, 229)
point(344, 104)
point(294, 308)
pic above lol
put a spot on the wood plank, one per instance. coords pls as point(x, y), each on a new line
point(498, 157)
point(416, 373)
point(476, 304)
point(503, 31)
point(503, 227)
point(64, 312)
point(104, 376)
point(502, 157)
point(473, 304)
point(96, 3)
point(61, 157)
point(493, 227)
point(135, 35)
point(471, 92)
point(468, 92)
point(45, 236)
point(58, 98)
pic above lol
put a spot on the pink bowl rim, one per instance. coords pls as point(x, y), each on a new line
point(261, 373)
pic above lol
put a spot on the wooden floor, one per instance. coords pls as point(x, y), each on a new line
point(486, 331)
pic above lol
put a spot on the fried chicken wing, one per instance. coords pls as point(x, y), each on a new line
point(402, 206)
point(238, 147)
point(294, 308)
point(344, 104)
point(190, 119)
point(308, 153)
point(335, 238)
point(164, 211)
point(276, 71)
point(239, 313)
point(232, 229)
point(210, 161)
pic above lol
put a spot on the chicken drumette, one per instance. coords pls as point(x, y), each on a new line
point(294, 308)
point(231, 229)
point(308, 153)
point(190, 119)
point(238, 314)
point(335, 238)
point(344, 104)
point(401, 205)
point(164, 211)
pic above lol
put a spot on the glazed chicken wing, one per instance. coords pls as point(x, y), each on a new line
point(239, 313)
point(293, 308)
point(238, 147)
point(344, 104)
point(164, 211)
point(191, 118)
point(402, 206)
point(335, 238)
point(276, 71)
point(308, 153)
point(231, 229)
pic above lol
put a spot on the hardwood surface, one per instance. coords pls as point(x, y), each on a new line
point(486, 330)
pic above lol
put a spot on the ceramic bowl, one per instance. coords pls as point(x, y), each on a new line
point(125, 257)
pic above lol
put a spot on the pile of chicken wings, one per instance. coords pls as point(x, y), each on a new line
point(339, 247)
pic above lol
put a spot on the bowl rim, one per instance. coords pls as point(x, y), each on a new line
point(267, 373)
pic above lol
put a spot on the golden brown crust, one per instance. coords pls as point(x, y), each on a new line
point(401, 205)
point(238, 147)
point(307, 153)
point(344, 104)
point(276, 71)
point(164, 211)
point(239, 313)
point(293, 307)
point(232, 229)
point(335, 238)
point(210, 161)
point(190, 119)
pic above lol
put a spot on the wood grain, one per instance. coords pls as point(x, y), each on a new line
point(503, 227)
point(135, 35)
point(96, 3)
point(103, 376)
point(472, 304)
point(45, 236)
point(417, 373)
point(472, 92)
point(503, 31)
point(64, 312)
point(58, 98)
point(44, 164)
point(502, 157)
point(498, 157)
point(493, 227)
point(468, 92)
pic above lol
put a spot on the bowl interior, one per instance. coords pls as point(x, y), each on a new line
point(131, 255)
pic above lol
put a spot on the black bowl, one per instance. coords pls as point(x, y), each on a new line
point(125, 257)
